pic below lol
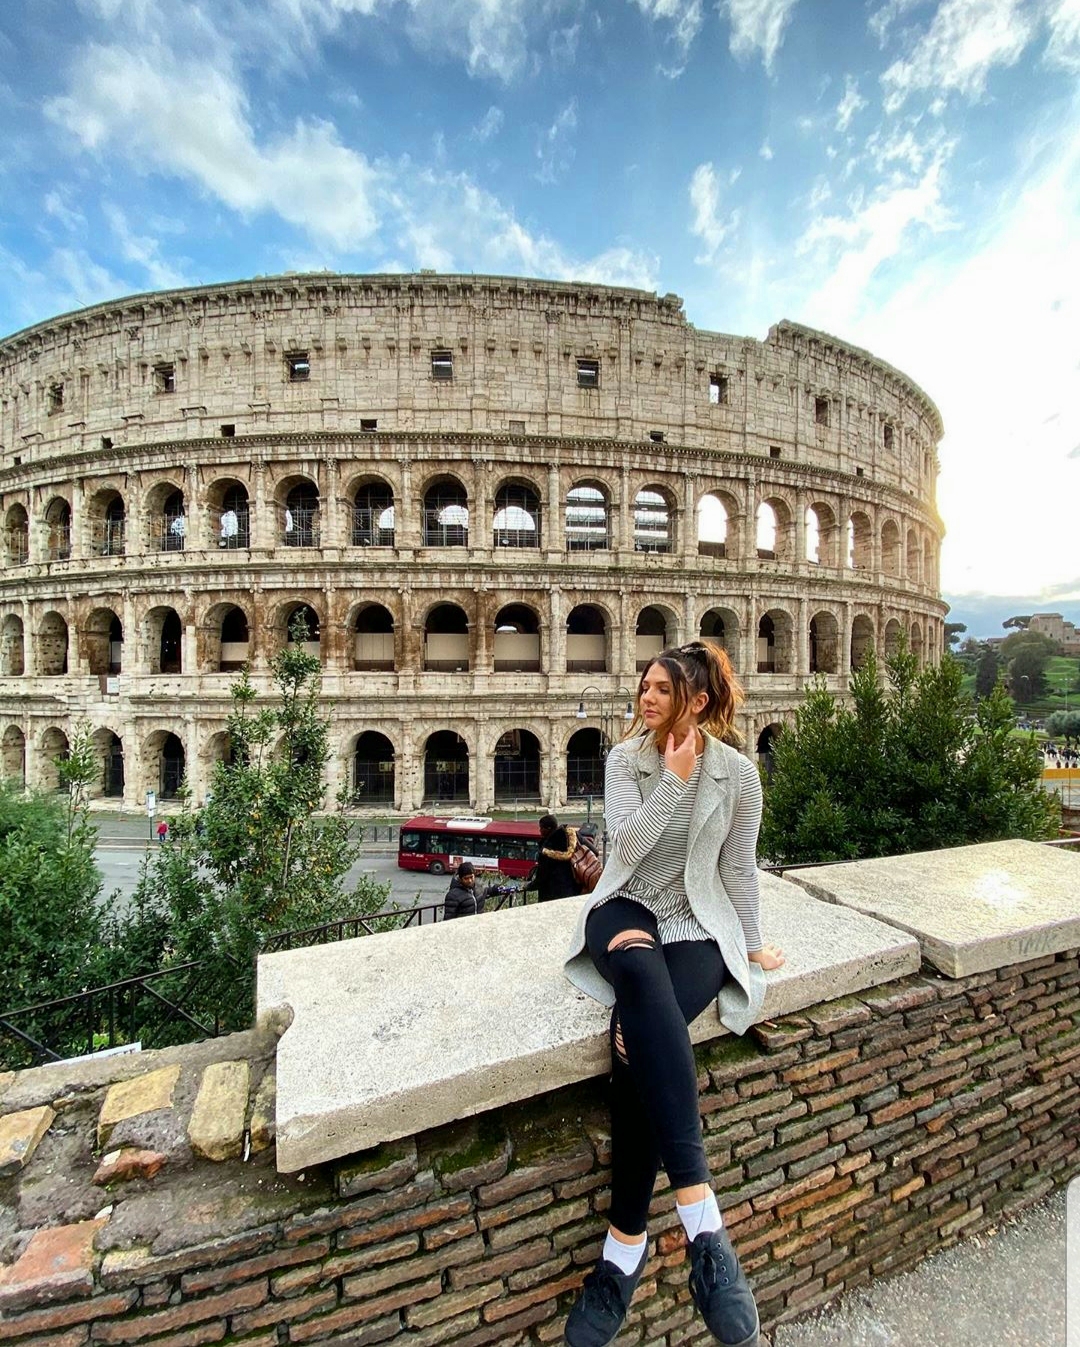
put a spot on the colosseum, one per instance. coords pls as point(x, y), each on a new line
point(491, 499)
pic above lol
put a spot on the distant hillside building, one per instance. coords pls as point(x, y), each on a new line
point(492, 500)
point(1055, 626)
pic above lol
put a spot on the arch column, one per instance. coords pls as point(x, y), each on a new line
point(481, 507)
point(802, 638)
point(553, 533)
point(134, 797)
point(260, 524)
point(845, 640)
point(78, 519)
point(553, 657)
point(800, 529)
point(479, 787)
point(623, 532)
point(554, 793)
point(189, 649)
point(330, 534)
point(748, 639)
point(481, 656)
point(193, 511)
point(407, 512)
point(623, 643)
point(194, 767)
point(409, 773)
point(689, 625)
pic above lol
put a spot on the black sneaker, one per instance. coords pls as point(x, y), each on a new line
point(599, 1311)
point(721, 1291)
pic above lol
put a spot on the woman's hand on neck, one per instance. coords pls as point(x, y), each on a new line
point(683, 745)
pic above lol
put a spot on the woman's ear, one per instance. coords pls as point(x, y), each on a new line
point(699, 703)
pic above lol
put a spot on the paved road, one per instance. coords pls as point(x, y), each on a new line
point(1000, 1290)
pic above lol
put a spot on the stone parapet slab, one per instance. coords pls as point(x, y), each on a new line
point(972, 909)
point(436, 1023)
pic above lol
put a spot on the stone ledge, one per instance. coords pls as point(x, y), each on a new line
point(972, 909)
point(417, 1044)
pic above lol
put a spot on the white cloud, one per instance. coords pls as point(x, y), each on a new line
point(489, 125)
point(757, 26)
point(849, 105)
point(554, 148)
point(144, 251)
point(56, 206)
point(966, 40)
point(1063, 47)
point(186, 118)
point(766, 151)
point(707, 223)
point(685, 18)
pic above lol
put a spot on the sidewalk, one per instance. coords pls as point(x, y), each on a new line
point(1005, 1289)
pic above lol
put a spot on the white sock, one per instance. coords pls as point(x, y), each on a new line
point(626, 1257)
point(700, 1217)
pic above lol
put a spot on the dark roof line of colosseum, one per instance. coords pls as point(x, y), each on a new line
point(670, 303)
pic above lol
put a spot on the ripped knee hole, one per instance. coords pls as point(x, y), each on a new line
point(631, 940)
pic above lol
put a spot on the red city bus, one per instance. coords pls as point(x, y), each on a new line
point(441, 844)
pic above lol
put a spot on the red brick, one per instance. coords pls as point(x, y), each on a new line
point(57, 1263)
point(143, 1326)
point(284, 1311)
point(501, 1265)
point(196, 1282)
point(129, 1162)
point(62, 1316)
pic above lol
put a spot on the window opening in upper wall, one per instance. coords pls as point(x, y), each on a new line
point(657, 436)
point(369, 426)
point(718, 389)
point(588, 373)
point(165, 378)
point(106, 442)
point(887, 435)
point(774, 451)
point(299, 366)
point(56, 398)
point(227, 432)
point(442, 365)
point(821, 411)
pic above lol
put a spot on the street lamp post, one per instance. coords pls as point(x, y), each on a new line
point(609, 703)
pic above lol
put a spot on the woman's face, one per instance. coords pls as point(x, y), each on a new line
point(657, 703)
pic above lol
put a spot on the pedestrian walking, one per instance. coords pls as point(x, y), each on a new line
point(162, 831)
point(672, 925)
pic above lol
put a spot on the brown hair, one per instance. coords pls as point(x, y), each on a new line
point(701, 666)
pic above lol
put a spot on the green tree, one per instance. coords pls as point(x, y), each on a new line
point(1065, 725)
point(257, 859)
point(51, 911)
point(910, 767)
point(953, 632)
point(987, 670)
point(1021, 622)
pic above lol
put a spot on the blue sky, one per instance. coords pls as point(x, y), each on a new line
point(904, 174)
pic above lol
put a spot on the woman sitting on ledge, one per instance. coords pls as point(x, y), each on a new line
point(672, 924)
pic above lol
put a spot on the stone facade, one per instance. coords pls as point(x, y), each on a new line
point(494, 498)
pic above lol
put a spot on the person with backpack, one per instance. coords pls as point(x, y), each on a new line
point(554, 875)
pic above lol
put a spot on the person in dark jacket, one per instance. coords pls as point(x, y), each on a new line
point(554, 875)
point(464, 898)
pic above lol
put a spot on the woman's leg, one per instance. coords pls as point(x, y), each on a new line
point(659, 990)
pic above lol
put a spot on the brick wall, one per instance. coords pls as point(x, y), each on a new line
point(846, 1142)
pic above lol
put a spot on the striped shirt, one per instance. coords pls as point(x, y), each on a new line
point(653, 835)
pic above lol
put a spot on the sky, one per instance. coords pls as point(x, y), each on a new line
point(904, 175)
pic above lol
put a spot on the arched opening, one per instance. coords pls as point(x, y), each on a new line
point(774, 530)
point(13, 755)
point(58, 529)
point(12, 655)
point(713, 527)
point(235, 640)
point(302, 624)
point(929, 570)
point(17, 536)
point(373, 639)
point(824, 643)
point(722, 626)
point(517, 516)
point(892, 637)
point(774, 642)
point(106, 518)
point(164, 640)
point(587, 519)
point(110, 755)
point(300, 515)
point(653, 531)
point(917, 644)
point(54, 751)
point(586, 640)
point(820, 535)
point(517, 767)
point(517, 640)
point(862, 640)
point(912, 569)
point(373, 516)
point(446, 514)
point(765, 741)
point(53, 645)
point(373, 770)
point(219, 748)
point(860, 547)
point(651, 636)
point(446, 639)
point(585, 754)
point(229, 514)
point(172, 523)
point(446, 768)
point(102, 641)
point(166, 764)
point(890, 548)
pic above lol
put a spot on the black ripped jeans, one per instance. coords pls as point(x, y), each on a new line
point(659, 990)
